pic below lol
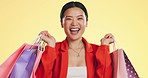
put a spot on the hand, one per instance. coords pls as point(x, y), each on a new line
point(50, 40)
point(108, 39)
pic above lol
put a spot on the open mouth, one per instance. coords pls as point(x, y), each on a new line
point(74, 30)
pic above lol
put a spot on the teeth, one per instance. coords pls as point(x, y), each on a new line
point(74, 29)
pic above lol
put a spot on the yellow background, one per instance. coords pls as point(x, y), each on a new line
point(127, 20)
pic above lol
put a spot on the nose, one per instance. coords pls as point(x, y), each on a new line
point(74, 22)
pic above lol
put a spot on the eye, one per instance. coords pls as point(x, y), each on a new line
point(68, 18)
point(80, 18)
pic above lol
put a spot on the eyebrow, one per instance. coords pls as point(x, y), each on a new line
point(68, 16)
point(80, 16)
point(77, 16)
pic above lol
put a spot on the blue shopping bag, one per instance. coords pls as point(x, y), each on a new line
point(24, 65)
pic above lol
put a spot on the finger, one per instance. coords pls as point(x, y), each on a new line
point(108, 36)
point(42, 33)
point(102, 39)
point(45, 33)
point(45, 38)
point(48, 35)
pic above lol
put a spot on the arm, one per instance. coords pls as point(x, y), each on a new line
point(104, 68)
point(45, 67)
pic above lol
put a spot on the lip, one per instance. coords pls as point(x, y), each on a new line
point(74, 31)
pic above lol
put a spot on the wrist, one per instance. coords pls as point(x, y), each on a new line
point(105, 44)
point(51, 44)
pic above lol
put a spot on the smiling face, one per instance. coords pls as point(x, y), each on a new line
point(74, 23)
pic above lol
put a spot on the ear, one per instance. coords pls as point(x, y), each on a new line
point(62, 24)
point(86, 23)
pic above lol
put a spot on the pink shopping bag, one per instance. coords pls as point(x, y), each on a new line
point(6, 67)
point(122, 67)
point(37, 61)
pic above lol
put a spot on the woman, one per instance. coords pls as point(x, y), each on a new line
point(75, 57)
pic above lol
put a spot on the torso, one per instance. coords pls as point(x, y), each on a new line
point(74, 60)
point(67, 58)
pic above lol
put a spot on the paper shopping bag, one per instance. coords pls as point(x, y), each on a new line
point(6, 67)
point(18, 57)
point(37, 61)
point(25, 63)
point(122, 67)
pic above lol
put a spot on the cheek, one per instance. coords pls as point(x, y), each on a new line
point(66, 30)
point(66, 27)
point(83, 24)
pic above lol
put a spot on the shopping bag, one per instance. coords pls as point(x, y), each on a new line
point(122, 67)
point(6, 67)
point(41, 49)
point(25, 63)
point(37, 61)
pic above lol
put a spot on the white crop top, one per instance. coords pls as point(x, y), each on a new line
point(77, 72)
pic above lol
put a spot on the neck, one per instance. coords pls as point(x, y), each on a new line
point(75, 43)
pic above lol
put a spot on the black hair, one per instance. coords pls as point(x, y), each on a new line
point(71, 5)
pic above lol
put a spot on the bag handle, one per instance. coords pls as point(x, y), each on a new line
point(115, 46)
point(41, 45)
point(38, 42)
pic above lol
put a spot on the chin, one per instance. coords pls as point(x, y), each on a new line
point(74, 38)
